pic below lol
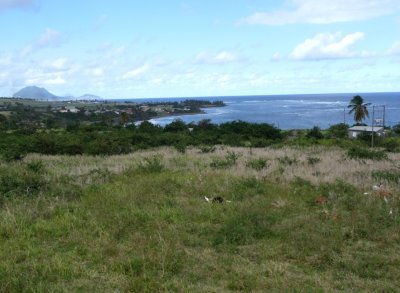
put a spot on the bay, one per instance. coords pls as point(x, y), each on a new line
point(291, 111)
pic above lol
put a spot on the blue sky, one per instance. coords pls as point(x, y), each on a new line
point(140, 49)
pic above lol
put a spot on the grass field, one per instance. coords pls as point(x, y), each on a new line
point(299, 220)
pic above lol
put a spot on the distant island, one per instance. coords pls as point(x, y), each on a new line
point(41, 94)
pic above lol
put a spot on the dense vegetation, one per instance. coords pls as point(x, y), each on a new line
point(100, 139)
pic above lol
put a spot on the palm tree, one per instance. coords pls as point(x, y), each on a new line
point(124, 118)
point(359, 108)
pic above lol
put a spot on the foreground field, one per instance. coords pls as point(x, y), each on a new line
point(299, 220)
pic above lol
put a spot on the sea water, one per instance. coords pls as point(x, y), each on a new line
point(292, 111)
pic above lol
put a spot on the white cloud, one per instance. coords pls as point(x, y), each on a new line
point(328, 46)
point(134, 73)
point(395, 49)
point(50, 38)
point(98, 72)
point(59, 64)
point(57, 80)
point(222, 57)
point(277, 57)
point(5, 61)
point(8, 4)
point(324, 12)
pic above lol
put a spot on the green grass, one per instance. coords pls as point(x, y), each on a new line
point(147, 228)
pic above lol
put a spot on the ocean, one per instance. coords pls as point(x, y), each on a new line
point(292, 111)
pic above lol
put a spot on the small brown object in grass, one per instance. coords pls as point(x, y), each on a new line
point(321, 200)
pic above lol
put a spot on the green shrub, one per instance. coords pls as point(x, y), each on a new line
point(396, 129)
point(367, 138)
point(364, 153)
point(21, 180)
point(257, 164)
point(205, 149)
point(288, 161)
point(229, 161)
point(176, 126)
point(219, 163)
point(232, 157)
point(313, 160)
point(152, 164)
point(180, 147)
point(391, 145)
point(387, 175)
point(36, 166)
point(315, 132)
point(13, 153)
point(338, 131)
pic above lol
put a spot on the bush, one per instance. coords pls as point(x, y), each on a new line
point(315, 133)
point(205, 149)
point(396, 129)
point(313, 160)
point(218, 163)
point(387, 175)
point(338, 131)
point(180, 147)
point(229, 161)
point(232, 157)
point(257, 164)
point(288, 161)
point(176, 126)
point(13, 153)
point(363, 153)
point(22, 180)
point(152, 164)
point(36, 166)
point(391, 145)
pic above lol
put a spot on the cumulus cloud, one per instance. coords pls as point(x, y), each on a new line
point(136, 72)
point(395, 49)
point(323, 12)
point(276, 57)
point(97, 72)
point(5, 61)
point(9, 4)
point(57, 80)
point(56, 65)
point(328, 46)
point(222, 57)
point(49, 38)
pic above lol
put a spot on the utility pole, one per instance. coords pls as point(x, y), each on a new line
point(373, 119)
point(384, 115)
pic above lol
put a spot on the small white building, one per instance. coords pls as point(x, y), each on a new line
point(356, 130)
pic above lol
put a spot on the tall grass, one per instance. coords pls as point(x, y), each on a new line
point(139, 223)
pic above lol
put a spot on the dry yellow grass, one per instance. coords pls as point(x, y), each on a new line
point(331, 164)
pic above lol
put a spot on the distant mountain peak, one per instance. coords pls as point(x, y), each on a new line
point(34, 92)
point(38, 93)
point(89, 97)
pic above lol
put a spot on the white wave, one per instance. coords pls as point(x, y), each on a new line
point(310, 102)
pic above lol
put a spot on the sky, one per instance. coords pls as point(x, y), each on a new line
point(188, 48)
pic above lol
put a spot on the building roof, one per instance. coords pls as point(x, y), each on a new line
point(366, 128)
